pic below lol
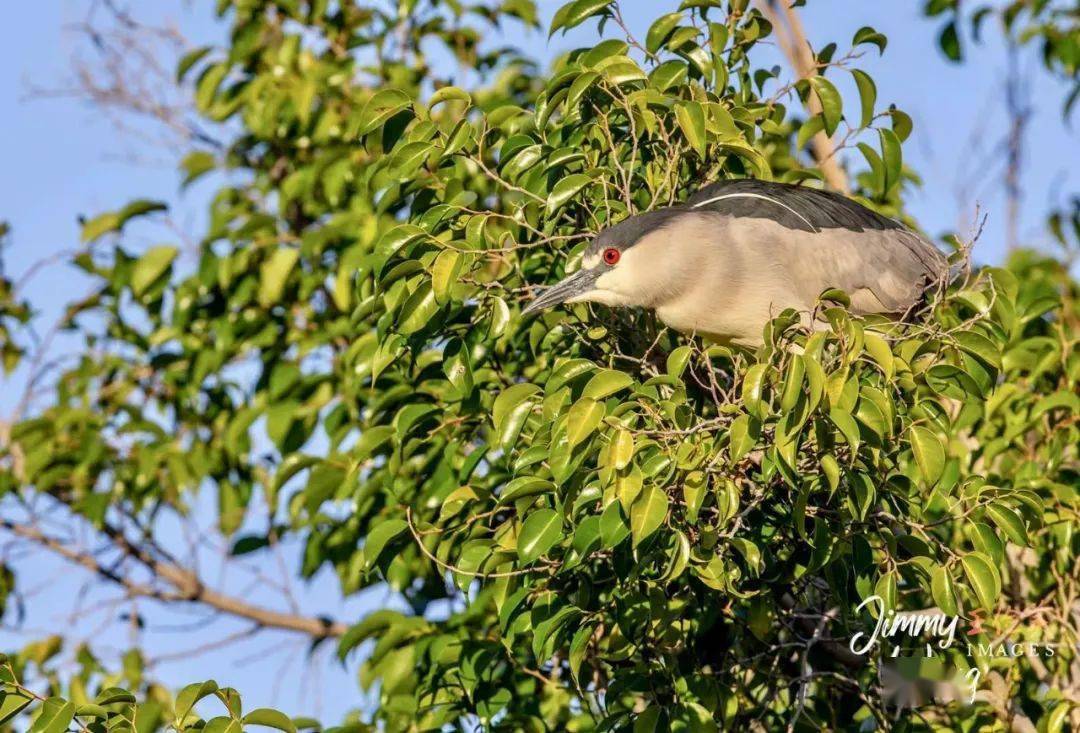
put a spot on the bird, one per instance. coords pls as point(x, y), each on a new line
point(740, 251)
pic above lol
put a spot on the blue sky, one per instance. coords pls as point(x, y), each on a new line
point(62, 159)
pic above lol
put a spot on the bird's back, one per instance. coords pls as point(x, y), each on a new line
point(793, 206)
point(831, 241)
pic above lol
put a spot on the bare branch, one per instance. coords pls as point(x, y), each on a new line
point(184, 585)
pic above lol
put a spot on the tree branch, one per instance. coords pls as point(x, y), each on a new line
point(185, 584)
point(791, 37)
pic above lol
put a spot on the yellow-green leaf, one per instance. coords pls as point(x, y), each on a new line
point(983, 578)
point(691, 119)
point(583, 419)
point(832, 106)
point(152, 265)
point(605, 383)
point(929, 453)
point(647, 513)
point(274, 273)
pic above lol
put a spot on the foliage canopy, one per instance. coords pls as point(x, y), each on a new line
point(596, 523)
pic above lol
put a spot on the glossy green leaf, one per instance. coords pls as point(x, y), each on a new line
point(647, 513)
point(867, 96)
point(606, 383)
point(270, 719)
point(540, 531)
point(832, 104)
point(943, 590)
point(929, 453)
point(566, 189)
point(1009, 521)
point(583, 419)
point(983, 578)
point(691, 119)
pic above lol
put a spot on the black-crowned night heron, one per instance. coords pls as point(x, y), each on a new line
point(739, 252)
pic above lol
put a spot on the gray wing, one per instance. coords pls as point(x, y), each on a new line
point(880, 263)
point(882, 270)
point(794, 207)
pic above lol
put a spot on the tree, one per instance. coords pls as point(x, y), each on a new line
point(596, 522)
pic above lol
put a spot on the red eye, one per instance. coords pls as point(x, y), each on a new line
point(611, 256)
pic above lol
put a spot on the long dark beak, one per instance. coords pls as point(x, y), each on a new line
point(577, 284)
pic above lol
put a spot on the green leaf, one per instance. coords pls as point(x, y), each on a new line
point(383, 105)
point(273, 274)
point(606, 383)
point(196, 164)
point(540, 531)
point(648, 720)
point(807, 130)
point(113, 695)
point(206, 88)
point(579, 645)
point(742, 437)
point(752, 389)
point(866, 34)
point(189, 59)
point(849, 429)
point(152, 265)
point(510, 410)
point(1054, 721)
point(573, 14)
point(379, 536)
point(584, 417)
point(647, 513)
point(691, 119)
point(677, 361)
point(11, 704)
point(269, 718)
point(660, 30)
point(902, 124)
point(187, 697)
point(418, 310)
point(621, 449)
point(613, 526)
point(54, 717)
point(669, 74)
point(499, 319)
point(943, 590)
point(449, 93)
point(694, 494)
point(566, 189)
point(323, 482)
point(980, 346)
point(523, 486)
point(885, 589)
point(444, 273)
point(1009, 521)
point(986, 540)
point(457, 366)
point(983, 578)
point(867, 96)
point(929, 453)
point(892, 158)
point(879, 349)
point(751, 555)
point(100, 225)
point(832, 105)
point(223, 724)
point(373, 624)
point(949, 40)
point(114, 221)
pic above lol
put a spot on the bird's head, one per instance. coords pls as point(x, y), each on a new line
point(633, 263)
